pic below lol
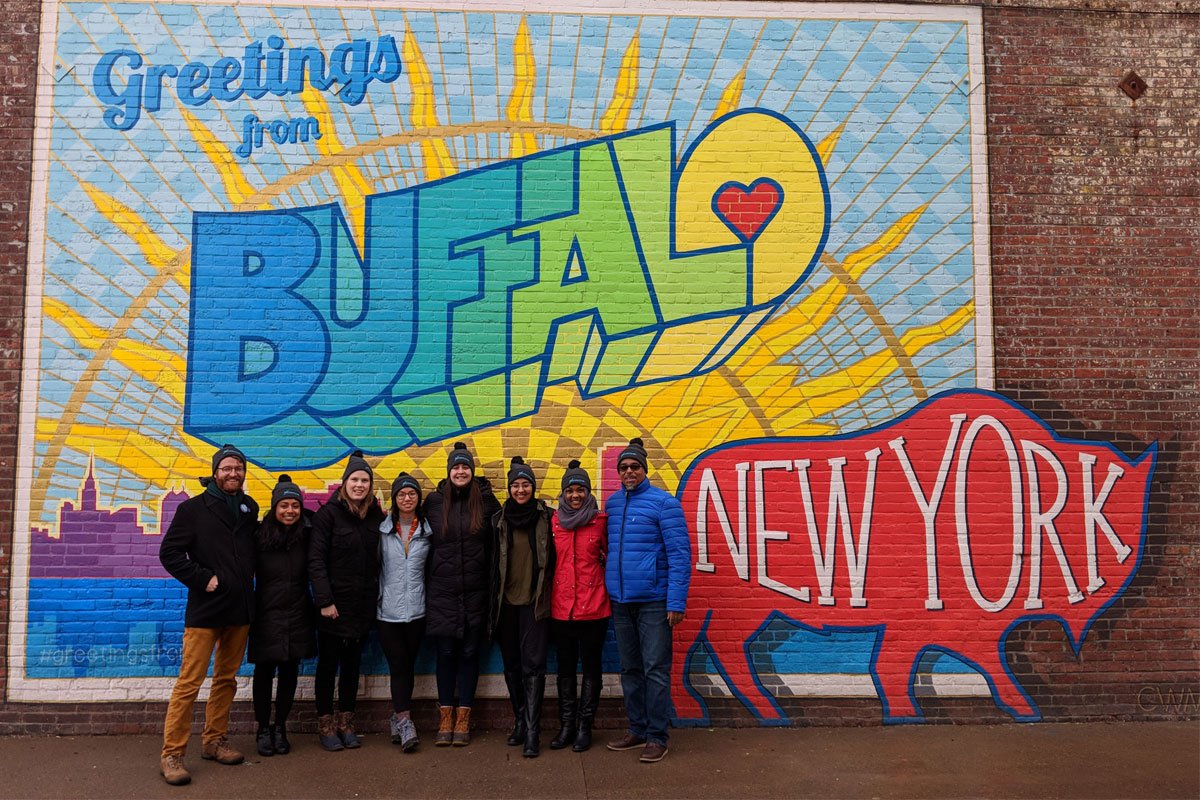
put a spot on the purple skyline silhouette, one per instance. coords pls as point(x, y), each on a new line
point(98, 542)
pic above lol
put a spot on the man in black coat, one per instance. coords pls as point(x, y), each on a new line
point(209, 548)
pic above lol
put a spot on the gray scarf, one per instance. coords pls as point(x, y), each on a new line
point(572, 519)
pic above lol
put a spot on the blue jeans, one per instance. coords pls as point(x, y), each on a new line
point(644, 642)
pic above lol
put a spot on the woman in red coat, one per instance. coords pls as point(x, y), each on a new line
point(579, 608)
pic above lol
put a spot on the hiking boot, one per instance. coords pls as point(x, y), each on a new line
point(264, 741)
point(408, 735)
point(222, 752)
point(627, 742)
point(345, 730)
point(327, 733)
point(173, 770)
point(462, 727)
point(445, 733)
point(652, 752)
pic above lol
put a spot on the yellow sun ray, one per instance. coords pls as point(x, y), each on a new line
point(839, 389)
point(352, 185)
point(827, 145)
point(154, 249)
point(616, 117)
point(731, 97)
point(520, 102)
point(154, 365)
point(237, 188)
point(434, 153)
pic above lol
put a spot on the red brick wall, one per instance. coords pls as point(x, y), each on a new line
point(1095, 213)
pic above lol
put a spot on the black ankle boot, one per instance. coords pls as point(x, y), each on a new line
point(282, 745)
point(535, 690)
point(516, 696)
point(265, 741)
point(567, 709)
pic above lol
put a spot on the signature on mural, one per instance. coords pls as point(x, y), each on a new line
point(606, 263)
point(938, 532)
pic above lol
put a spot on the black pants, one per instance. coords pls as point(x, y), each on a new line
point(580, 640)
point(458, 666)
point(523, 640)
point(264, 676)
point(337, 658)
point(400, 642)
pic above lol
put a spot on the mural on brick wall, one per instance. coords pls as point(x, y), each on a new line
point(753, 235)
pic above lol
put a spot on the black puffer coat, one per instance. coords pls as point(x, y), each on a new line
point(205, 540)
point(343, 566)
point(284, 617)
point(460, 577)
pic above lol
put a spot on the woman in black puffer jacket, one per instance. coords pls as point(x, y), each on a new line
point(282, 632)
point(458, 588)
point(343, 565)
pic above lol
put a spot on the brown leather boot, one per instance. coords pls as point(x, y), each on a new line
point(173, 770)
point(445, 734)
point(462, 727)
point(222, 752)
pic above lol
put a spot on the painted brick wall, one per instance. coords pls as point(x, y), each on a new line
point(1095, 320)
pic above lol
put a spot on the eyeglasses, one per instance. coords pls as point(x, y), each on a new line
point(407, 494)
point(629, 467)
point(232, 470)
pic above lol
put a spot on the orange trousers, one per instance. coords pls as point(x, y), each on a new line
point(198, 647)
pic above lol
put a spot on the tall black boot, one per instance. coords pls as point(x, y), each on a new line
point(567, 709)
point(535, 691)
point(516, 696)
point(589, 701)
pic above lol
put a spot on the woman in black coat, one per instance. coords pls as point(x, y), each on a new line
point(282, 632)
point(458, 588)
point(343, 565)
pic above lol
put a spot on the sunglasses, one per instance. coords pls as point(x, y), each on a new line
point(634, 467)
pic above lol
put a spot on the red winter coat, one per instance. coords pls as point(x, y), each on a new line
point(578, 592)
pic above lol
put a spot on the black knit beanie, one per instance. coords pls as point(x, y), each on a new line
point(460, 455)
point(576, 476)
point(405, 481)
point(636, 450)
point(285, 490)
point(356, 463)
point(518, 469)
point(227, 451)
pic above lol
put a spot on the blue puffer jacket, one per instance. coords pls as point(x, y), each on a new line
point(649, 550)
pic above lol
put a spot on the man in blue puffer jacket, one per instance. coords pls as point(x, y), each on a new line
point(647, 575)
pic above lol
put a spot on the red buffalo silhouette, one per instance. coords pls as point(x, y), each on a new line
point(1015, 523)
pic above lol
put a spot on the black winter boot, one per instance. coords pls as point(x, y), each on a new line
point(567, 709)
point(516, 696)
point(282, 745)
point(589, 701)
point(264, 740)
point(535, 691)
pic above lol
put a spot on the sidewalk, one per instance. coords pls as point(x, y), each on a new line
point(1062, 761)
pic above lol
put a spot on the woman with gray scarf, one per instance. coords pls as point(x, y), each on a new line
point(579, 607)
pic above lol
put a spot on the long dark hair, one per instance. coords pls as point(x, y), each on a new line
point(273, 535)
point(474, 502)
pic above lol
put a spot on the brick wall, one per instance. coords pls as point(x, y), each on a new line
point(1094, 205)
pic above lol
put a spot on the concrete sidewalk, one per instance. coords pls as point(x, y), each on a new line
point(1060, 761)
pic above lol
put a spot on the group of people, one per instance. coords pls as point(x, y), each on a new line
point(457, 566)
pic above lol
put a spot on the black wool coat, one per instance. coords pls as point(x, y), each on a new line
point(460, 574)
point(284, 617)
point(204, 540)
point(343, 566)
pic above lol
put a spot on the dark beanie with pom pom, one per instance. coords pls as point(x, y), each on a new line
point(356, 463)
point(405, 481)
point(460, 455)
point(636, 450)
point(519, 469)
point(576, 476)
point(285, 490)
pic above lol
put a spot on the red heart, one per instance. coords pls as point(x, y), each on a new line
point(748, 209)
